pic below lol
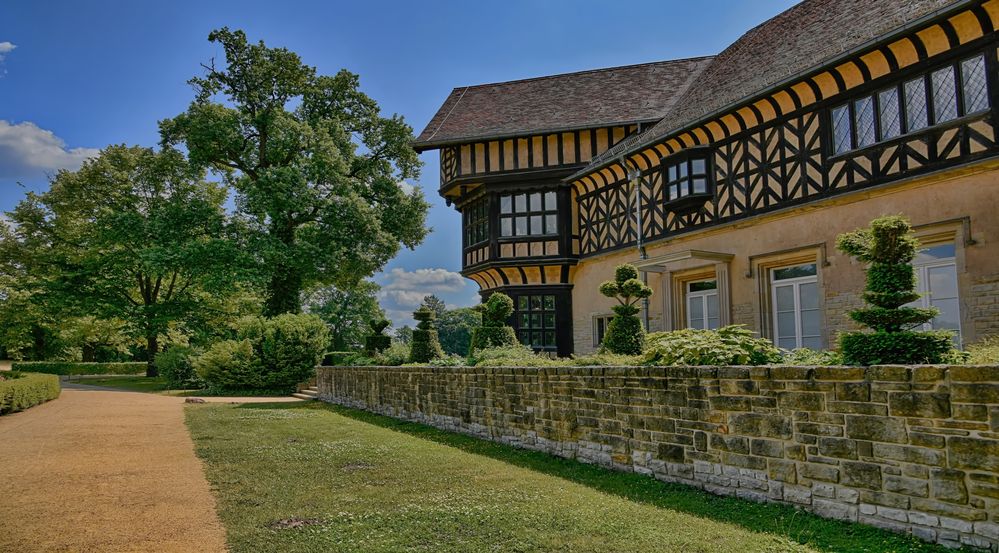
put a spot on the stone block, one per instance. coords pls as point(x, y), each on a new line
point(801, 401)
point(825, 473)
point(838, 447)
point(767, 448)
point(853, 391)
point(671, 452)
point(948, 485)
point(919, 404)
point(909, 454)
point(744, 461)
point(795, 451)
point(978, 392)
point(876, 429)
point(906, 486)
point(973, 453)
point(818, 429)
point(761, 425)
point(861, 475)
point(734, 444)
point(834, 510)
point(858, 408)
point(731, 403)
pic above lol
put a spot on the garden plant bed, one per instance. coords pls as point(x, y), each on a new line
point(317, 477)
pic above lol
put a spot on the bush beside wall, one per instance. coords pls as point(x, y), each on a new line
point(73, 368)
point(19, 391)
point(910, 449)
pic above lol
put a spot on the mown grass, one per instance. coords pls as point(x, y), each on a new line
point(366, 483)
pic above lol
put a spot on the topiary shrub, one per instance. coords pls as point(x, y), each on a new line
point(729, 345)
point(176, 365)
point(888, 247)
point(426, 345)
point(377, 342)
point(19, 391)
point(625, 335)
point(494, 331)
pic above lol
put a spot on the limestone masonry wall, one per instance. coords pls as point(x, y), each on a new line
point(911, 449)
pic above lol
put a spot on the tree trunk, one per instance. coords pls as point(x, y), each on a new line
point(284, 292)
point(152, 347)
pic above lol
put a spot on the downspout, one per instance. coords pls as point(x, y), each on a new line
point(635, 176)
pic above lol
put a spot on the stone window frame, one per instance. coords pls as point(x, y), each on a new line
point(678, 290)
point(958, 232)
point(594, 318)
point(761, 268)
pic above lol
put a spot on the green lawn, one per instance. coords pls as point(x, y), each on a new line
point(316, 477)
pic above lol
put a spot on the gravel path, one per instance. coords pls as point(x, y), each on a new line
point(99, 470)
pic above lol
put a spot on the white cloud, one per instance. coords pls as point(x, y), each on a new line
point(429, 280)
point(27, 150)
point(406, 187)
point(6, 48)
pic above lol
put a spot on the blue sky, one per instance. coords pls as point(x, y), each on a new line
point(77, 76)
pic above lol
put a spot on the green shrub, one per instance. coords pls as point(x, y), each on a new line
point(426, 345)
point(888, 246)
point(494, 331)
point(625, 334)
point(19, 391)
point(604, 359)
point(377, 341)
point(270, 354)
point(811, 357)
point(897, 348)
point(729, 345)
point(337, 358)
point(176, 366)
point(449, 361)
point(291, 347)
point(984, 352)
point(511, 356)
point(74, 368)
point(231, 365)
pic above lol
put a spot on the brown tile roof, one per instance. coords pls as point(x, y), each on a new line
point(629, 94)
point(795, 42)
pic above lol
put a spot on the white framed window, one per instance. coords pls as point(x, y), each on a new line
point(936, 280)
point(794, 292)
point(702, 304)
point(600, 324)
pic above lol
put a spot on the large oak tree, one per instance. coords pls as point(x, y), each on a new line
point(318, 170)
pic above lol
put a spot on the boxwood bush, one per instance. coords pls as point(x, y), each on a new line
point(74, 368)
point(176, 366)
point(729, 345)
point(494, 331)
point(18, 391)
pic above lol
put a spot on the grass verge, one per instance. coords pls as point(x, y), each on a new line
point(316, 477)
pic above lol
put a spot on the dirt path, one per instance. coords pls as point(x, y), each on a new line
point(99, 470)
point(5, 365)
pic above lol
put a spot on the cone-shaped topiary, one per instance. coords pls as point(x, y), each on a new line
point(426, 346)
point(888, 247)
point(625, 334)
point(494, 331)
point(377, 342)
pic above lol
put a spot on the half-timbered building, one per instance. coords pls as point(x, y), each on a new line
point(726, 179)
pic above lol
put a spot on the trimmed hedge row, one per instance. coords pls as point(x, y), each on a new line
point(71, 368)
point(18, 391)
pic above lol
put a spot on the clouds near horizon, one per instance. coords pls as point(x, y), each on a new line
point(27, 150)
point(403, 291)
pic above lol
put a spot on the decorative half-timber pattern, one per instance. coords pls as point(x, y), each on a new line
point(543, 151)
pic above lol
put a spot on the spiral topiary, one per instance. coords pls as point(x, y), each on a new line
point(625, 334)
point(426, 346)
point(888, 247)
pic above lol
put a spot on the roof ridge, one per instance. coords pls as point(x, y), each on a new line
point(585, 71)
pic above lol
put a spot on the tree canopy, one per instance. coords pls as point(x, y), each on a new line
point(318, 170)
point(347, 312)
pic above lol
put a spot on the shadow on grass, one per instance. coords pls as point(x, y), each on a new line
point(797, 525)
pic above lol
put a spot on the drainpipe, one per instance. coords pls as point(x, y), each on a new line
point(635, 176)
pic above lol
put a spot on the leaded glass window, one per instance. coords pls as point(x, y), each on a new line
point(535, 317)
point(687, 177)
point(476, 222)
point(973, 84)
point(889, 115)
point(864, 117)
point(528, 214)
point(841, 129)
point(944, 95)
point(915, 105)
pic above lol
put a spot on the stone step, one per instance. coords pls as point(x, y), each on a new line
point(304, 394)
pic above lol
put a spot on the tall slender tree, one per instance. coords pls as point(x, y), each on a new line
point(318, 170)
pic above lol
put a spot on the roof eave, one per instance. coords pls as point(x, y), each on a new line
point(815, 69)
point(422, 146)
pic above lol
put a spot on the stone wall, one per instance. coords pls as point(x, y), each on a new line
point(910, 449)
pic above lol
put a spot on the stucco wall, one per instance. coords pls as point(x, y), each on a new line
point(910, 449)
point(962, 203)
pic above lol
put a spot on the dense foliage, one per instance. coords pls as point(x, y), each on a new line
point(267, 354)
point(494, 332)
point(625, 334)
point(729, 345)
point(318, 170)
point(888, 246)
point(984, 352)
point(426, 345)
point(74, 368)
point(176, 365)
point(19, 391)
point(347, 312)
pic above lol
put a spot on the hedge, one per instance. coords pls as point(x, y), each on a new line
point(18, 391)
point(71, 368)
